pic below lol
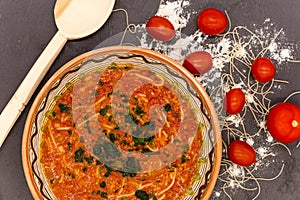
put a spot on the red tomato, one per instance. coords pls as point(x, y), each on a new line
point(263, 70)
point(241, 153)
point(283, 122)
point(160, 28)
point(198, 62)
point(212, 21)
point(234, 101)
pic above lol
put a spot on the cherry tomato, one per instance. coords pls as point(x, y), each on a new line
point(283, 122)
point(198, 62)
point(241, 153)
point(212, 21)
point(234, 101)
point(263, 70)
point(160, 28)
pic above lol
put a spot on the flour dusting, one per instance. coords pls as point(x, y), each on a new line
point(176, 12)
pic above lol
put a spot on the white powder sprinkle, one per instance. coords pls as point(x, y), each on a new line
point(236, 170)
point(262, 151)
point(269, 138)
point(217, 194)
point(250, 141)
point(249, 98)
point(174, 11)
point(285, 54)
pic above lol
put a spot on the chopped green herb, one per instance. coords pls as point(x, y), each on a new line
point(146, 150)
point(98, 162)
point(110, 93)
point(102, 184)
point(175, 166)
point(89, 160)
point(54, 114)
point(105, 131)
point(142, 195)
point(103, 195)
point(134, 119)
point(107, 174)
point(103, 111)
point(139, 110)
point(69, 114)
point(101, 83)
point(152, 196)
point(152, 141)
point(184, 158)
point(116, 127)
point(69, 146)
point(201, 126)
point(63, 108)
point(124, 174)
point(139, 141)
point(79, 155)
point(110, 118)
point(70, 132)
point(123, 142)
point(72, 176)
point(112, 137)
point(113, 66)
point(84, 169)
point(168, 107)
point(108, 171)
point(52, 181)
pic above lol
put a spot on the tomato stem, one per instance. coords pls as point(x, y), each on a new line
point(294, 123)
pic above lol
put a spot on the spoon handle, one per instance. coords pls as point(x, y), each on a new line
point(19, 100)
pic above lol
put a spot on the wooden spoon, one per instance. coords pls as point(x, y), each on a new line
point(74, 19)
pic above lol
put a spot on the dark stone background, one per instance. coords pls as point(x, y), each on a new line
point(27, 26)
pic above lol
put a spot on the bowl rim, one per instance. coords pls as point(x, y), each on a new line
point(122, 49)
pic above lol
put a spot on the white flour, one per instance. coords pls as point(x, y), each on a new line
point(175, 12)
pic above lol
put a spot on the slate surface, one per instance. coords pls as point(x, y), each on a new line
point(27, 26)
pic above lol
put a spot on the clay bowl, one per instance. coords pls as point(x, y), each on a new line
point(203, 181)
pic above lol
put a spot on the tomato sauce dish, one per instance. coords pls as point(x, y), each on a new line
point(122, 123)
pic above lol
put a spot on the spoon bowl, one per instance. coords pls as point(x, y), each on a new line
point(83, 22)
